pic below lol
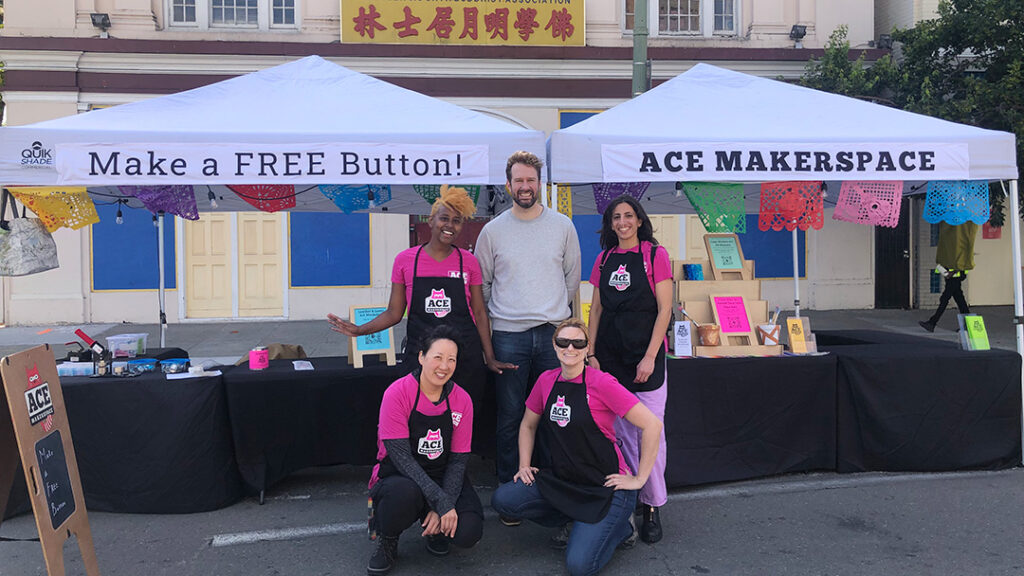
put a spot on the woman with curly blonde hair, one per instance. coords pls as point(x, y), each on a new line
point(440, 284)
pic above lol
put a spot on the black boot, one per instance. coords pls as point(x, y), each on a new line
point(927, 325)
point(650, 528)
point(384, 558)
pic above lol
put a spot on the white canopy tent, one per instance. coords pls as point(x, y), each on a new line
point(715, 125)
point(305, 123)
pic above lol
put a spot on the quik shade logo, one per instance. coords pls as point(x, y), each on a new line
point(619, 279)
point(36, 155)
point(37, 398)
point(560, 413)
point(438, 303)
point(431, 445)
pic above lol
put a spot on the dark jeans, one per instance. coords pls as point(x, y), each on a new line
point(591, 546)
point(534, 353)
point(399, 502)
point(952, 290)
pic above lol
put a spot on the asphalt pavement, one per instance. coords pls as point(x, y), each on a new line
point(314, 522)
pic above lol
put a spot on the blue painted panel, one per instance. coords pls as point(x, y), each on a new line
point(566, 119)
point(771, 251)
point(330, 249)
point(124, 256)
point(588, 228)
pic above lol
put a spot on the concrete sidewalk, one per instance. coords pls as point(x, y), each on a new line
point(226, 342)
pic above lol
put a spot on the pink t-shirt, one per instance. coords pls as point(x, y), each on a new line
point(662, 264)
point(396, 407)
point(605, 397)
point(401, 272)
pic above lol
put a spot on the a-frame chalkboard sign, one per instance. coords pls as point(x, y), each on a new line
point(34, 405)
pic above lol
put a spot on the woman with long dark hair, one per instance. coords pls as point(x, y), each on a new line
point(423, 443)
point(629, 317)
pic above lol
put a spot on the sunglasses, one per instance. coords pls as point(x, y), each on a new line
point(577, 343)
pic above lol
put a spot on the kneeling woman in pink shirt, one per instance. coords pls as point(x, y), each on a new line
point(589, 484)
point(423, 444)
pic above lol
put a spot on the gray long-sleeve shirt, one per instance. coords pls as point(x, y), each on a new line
point(531, 269)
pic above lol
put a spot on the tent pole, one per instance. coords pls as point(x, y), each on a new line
point(1018, 300)
point(796, 276)
point(160, 263)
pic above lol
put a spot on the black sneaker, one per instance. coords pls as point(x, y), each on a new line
point(927, 325)
point(560, 541)
point(438, 545)
point(650, 528)
point(510, 521)
point(383, 559)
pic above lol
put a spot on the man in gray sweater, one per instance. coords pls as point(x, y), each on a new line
point(530, 259)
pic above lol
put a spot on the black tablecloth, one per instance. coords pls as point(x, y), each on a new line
point(919, 404)
point(283, 420)
point(737, 418)
point(150, 445)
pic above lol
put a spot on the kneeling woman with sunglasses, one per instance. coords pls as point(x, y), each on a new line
point(424, 438)
point(588, 484)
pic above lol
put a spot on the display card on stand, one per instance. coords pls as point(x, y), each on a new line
point(379, 343)
point(801, 339)
point(733, 318)
point(726, 256)
point(34, 405)
point(973, 335)
point(683, 343)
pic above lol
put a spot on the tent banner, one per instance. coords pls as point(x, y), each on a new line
point(139, 163)
point(725, 161)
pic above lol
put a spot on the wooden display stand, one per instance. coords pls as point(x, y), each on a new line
point(381, 344)
point(695, 297)
point(34, 404)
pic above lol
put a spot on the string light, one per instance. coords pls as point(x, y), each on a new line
point(213, 199)
point(119, 219)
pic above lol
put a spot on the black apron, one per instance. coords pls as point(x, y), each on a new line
point(430, 439)
point(581, 455)
point(629, 311)
point(439, 300)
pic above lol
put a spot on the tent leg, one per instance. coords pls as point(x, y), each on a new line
point(796, 276)
point(1018, 300)
point(160, 263)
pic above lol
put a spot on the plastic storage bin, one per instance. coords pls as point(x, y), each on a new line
point(141, 365)
point(127, 345)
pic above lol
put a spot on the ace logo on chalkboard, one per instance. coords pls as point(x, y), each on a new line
point(37, 398)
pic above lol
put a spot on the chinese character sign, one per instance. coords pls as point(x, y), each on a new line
point(478, 22)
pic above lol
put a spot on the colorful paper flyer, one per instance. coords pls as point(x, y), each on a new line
point(732, 314)
point(797, 337)
point(977, 336)
point(370, 342)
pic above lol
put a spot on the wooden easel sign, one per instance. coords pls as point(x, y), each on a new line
point(380, 343)
point(35, 406)
point(726, 256)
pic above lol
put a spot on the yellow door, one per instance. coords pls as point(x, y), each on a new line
point(260, 260)
point(208, 266)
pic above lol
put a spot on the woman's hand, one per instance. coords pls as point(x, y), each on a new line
point(644, 369)
point(431, 524)
point(344, 326)
point(497, 366)
point(449, 522)
point(623, 482)
point(593, 363)
point(525, 475)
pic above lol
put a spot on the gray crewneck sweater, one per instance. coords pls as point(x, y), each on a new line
point(531, 269)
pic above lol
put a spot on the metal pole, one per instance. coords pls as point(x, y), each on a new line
point(796, 276)
point(1018, 300)
point(160, 263)
point(639, 47)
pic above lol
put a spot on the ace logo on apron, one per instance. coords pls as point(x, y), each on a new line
point(438, 303)
point(619, 279)
point(560, 413)
point(431, 445)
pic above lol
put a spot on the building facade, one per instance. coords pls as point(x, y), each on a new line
point(65, 57)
